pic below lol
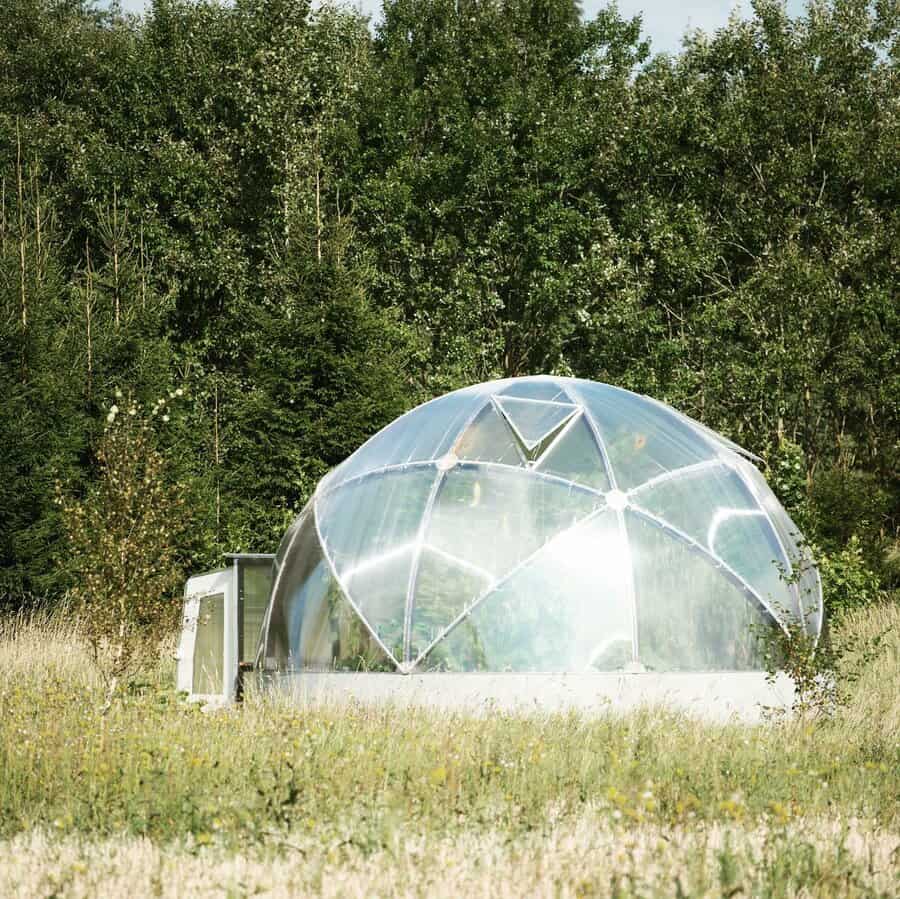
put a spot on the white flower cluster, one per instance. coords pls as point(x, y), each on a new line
point(160, 404)
point(158, 407)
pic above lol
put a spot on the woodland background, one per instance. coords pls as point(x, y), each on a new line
point(293, 228)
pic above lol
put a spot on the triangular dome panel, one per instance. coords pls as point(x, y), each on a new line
point(488, 439)
point(318, 628)
point(534, 422)
point(378, 589)
point(369, 528)
point(691, 615)
point(444, 588)
point(575, 456)
point(713, 506)
point(568, 608)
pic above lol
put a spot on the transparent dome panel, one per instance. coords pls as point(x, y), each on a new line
point(714, 436)
point(492, 517)
point(488, 438)
point(534, 422)
point(363, 520)
point(288, 537)
point(642, 439)
point(536, 389)
point(311, 625)
point(690, 615)
point(295, 559)
point(427, 432)
point(802, 567)
point(444, 588)
point(378, 588)
point(575, 456)
point(566, 609)
point(713, 506)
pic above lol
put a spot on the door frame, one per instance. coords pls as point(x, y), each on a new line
point(211, 583)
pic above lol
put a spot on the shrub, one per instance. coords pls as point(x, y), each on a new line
point(123, 535)
point(825, 667)
point(847, 580)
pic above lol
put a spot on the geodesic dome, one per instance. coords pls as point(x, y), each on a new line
point(538, 524)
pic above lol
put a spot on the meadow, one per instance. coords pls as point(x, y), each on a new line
point(159, 797)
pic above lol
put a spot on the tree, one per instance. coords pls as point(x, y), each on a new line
point(485, 120)
point(124, 544)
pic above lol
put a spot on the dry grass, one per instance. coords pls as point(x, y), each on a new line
point(45, 646)
point(158, 798)
point(582, 856)
point(875, 709)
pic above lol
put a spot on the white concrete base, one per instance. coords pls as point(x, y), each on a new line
point(716, 696)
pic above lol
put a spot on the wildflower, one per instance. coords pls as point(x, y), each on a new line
point(165, 418)
point(179, 392)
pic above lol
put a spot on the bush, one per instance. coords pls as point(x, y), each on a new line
point(847, 580)
point(123, 536)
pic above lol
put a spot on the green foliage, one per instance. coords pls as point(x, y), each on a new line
point(313, 228)
point(847, 580)
point(850, 508)
point(786, 474)
point(824, 672)
point(123, 539)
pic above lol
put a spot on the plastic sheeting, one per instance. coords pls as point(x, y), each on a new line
point(539, 525)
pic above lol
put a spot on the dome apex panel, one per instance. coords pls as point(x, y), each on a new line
point(539, 388)
point(534, 422)
point(488, 438)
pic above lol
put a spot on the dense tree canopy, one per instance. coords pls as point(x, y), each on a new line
point(308, 227)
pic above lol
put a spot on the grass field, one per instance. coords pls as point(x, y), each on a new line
point(159, 798)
